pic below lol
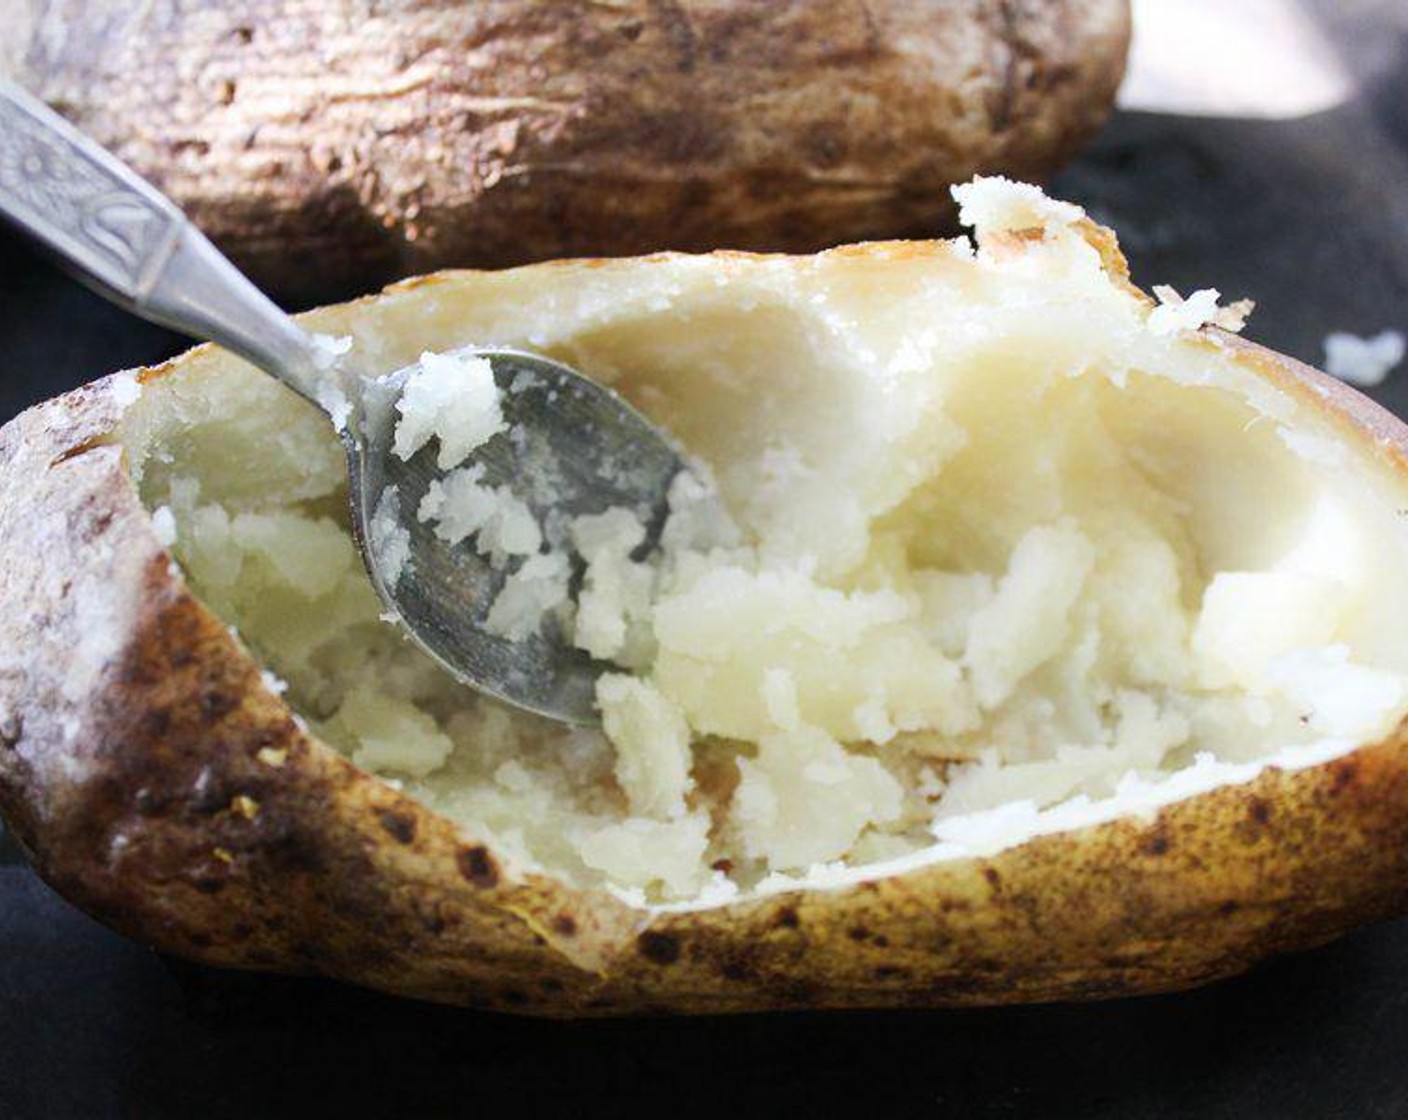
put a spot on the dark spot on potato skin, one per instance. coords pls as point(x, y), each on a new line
point(433, 924)
point(156, 723)
point(218, 702)
point(993, 878)
point(787, 918)
point(858, 933)
point(1260, 810)
point(400, 826)
point(1158, 844)
point(565, 925)
point(738, 972)
point(1346, 772)
point(478, 866)
point(661, 948)
point(11, 731)
point(825, 146)
point(890, 972)
point(208, 884)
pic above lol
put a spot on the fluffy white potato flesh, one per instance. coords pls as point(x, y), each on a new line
point(1007, 549)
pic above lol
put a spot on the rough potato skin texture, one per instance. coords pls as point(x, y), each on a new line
point(329, 146)
point(157, 783)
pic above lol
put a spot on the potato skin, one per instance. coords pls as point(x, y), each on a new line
point(159, 785)
point(328, 150)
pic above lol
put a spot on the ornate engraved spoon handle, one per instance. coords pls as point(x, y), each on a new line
point(123, 237)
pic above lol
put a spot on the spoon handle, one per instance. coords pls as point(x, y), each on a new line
point(130, 243)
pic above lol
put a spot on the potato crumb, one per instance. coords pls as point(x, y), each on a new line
point(805, 799)
point(1175, 314)
point(652, 742)
point(533, 592)
point(390, 540)
point(460, 506)
point(1364, 362)
point(164, 525)
point(452, 398)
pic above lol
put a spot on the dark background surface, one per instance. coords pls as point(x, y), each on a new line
point(1311, 218)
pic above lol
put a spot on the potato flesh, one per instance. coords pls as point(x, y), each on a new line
point(1001, 543)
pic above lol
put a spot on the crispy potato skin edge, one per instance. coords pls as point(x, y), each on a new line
point(328, 152)
point(134, 766)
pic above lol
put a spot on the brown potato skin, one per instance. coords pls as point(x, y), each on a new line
point(328, 152)
point(125, 765)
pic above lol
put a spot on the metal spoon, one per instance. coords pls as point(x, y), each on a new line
point(572, 447)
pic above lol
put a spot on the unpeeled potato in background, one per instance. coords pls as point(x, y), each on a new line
point(330, 146)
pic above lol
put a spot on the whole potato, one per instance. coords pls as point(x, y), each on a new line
point(329, 146)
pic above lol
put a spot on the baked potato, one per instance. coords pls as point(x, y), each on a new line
point(1058, 653)
point(329, 148)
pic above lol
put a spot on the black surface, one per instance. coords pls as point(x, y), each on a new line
point(1311, 218)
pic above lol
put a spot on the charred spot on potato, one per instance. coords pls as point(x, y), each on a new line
point(630, 29)
point(1158, 842)
point(217, 700)
point(787, 918)
point(156, 723)
point(659, 947)
point(399, 825)
point(11, 729)
point(1346, 773)
point(739, 971)
point(478, 866)
point(565, 925)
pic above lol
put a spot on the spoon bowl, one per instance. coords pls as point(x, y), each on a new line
point(570, 447)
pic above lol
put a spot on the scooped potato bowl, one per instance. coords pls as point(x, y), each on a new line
point(1056, 650)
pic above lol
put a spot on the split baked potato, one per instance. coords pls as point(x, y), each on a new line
point(1059, 652)
point(329, 147)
